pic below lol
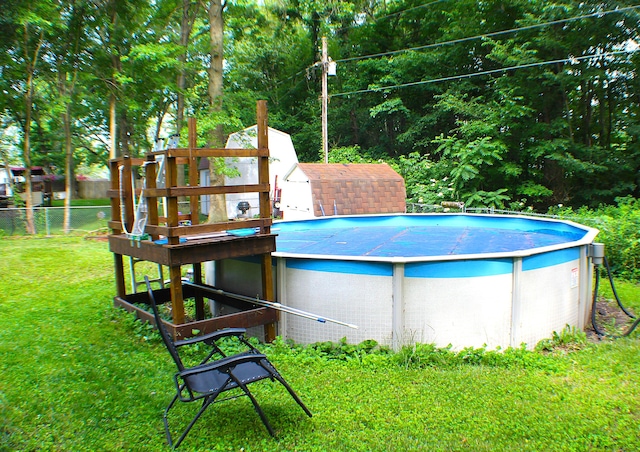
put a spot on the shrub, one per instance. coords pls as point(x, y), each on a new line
point(619, 228)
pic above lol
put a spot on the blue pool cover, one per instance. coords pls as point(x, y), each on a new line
point(421, 235)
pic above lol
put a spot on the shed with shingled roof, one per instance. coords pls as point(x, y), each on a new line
point(319, 189)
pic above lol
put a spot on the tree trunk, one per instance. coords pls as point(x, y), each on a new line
point(4, 155)
point(189, 13)
point(30, 224)
point(113, 148)
point(587, 99)
point(217, 204)
point(125, 133)
point(216, 31)
point(355, 128)
point(68, 169)
point(26, 155)
point(116, 66)
point(315, 34)
point(610, 111)
point(567, 109)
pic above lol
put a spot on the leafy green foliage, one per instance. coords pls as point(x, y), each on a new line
point(344, 351)
point(423, 180)
point(570, 337)
point(507, 103)
point(353, 154)
point(619, 228)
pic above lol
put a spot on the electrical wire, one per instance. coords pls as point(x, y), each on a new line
point(491, 34)
point(360, 25)
point(397, 13)
point(493, 71)
point(594, 323)
point(466, 39)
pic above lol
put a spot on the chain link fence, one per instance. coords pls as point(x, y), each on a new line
point(454, 207)
point(50, 220)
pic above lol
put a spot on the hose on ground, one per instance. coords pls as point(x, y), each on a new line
point(596, 328)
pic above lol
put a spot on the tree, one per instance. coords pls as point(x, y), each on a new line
point(68, 42)
point(187, 19)
point(217, 205)
point(502, 102)
point(28, 28)
point(122, 90)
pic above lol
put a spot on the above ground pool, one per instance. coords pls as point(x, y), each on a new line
point(407, 237)
point(464, 280)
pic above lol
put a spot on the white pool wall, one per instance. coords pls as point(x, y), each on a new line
point(493, 300)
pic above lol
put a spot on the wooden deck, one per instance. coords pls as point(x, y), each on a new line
point(177, 238)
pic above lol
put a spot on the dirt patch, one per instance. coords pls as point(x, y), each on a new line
point(97, 238)
point(100, 235)
point(609, 318)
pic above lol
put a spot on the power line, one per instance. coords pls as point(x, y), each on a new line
point(493, 71)
point(470, 38)
point(376, 19)
point(491, 34)
point(397, 13)
point(360, 25)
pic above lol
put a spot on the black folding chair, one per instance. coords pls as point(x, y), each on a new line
point(212, 377)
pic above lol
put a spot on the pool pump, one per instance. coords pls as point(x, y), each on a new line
point(596, 253)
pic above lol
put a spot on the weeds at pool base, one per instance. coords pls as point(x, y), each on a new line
point(570, 338)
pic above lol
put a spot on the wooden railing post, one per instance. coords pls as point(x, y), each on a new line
point(263, 162)
point(152, 203)
point(265, 210)
point(195, 210)
point(193, 171)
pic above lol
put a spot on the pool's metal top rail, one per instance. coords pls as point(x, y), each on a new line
point(376, 220)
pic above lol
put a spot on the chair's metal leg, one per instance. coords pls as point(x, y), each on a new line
point(293, 394)
point(166, 420)
point(275, 374)
point(207, 401)
point(257, 407)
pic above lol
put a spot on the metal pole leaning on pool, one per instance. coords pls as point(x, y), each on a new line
point(272, 304)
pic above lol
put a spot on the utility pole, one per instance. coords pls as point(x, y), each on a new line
point(328, 68)
point(325, 100)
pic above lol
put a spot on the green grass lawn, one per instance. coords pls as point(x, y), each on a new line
point(78, 375)
point(82, 202)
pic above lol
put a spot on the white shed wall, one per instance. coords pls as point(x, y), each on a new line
point(282, 158)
